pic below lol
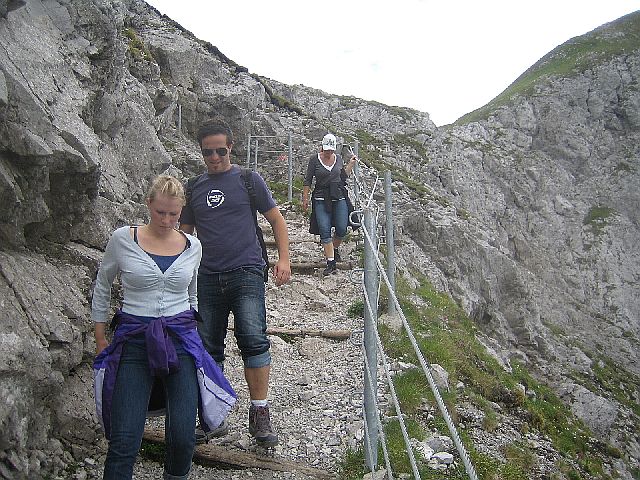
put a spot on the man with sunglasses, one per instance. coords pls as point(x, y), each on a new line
point(230, 278)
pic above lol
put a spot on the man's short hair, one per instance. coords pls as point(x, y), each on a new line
point(215, 126)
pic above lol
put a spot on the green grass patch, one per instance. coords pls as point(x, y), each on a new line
point(610, 379)
point(520, 457)
point(137, 48)
point(280, 191)
point(352, 466)
point(547, 413)
point(598, 218)
point(356, 309)
point(278, 100)
point(446, 336)
point(411, 387)
point(402, 139)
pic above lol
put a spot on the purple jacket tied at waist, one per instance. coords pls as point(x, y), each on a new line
point(216, 398)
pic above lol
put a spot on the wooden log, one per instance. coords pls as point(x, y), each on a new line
point(226, 457)
point(305, 266)
point(333, 334)
point(301, 332)
point(272, 243)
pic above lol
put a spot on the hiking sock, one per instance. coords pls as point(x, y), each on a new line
point(259, 403)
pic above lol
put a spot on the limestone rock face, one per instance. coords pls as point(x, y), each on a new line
point(536, 236)
point(528, 217)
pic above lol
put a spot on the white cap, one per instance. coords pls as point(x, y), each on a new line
point(329, 142)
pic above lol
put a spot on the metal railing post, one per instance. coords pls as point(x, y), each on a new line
point(356, 192)
point(370, 344)
point(290, 166)
point(248, 150)
point(255, 158)
point(391, 253)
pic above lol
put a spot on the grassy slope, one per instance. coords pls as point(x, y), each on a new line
point(571, 58)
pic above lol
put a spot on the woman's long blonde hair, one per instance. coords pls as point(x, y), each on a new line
point(166, 185)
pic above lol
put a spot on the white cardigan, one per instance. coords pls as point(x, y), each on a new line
point(147, 291)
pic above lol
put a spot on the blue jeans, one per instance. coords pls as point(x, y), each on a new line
point(325, 217)
point(240, 291)
point(129, 408)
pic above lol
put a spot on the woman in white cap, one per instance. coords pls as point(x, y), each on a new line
point(329, 198)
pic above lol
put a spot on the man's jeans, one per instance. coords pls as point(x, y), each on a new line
point(129, 409)
point(324, 219)
point(240, 291)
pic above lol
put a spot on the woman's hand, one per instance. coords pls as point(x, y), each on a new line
point(100, 336)
point(348, 168)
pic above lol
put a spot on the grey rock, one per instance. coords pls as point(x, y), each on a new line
point(444, 458)
point(440, 376)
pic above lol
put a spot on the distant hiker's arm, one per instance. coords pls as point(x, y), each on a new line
point(186, 228)
point(100, 336)
point(349, 166)
point(282, 269)
point(305, 197)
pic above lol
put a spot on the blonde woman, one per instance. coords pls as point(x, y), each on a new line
point(155, 339)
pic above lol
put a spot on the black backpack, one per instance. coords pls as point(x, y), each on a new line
point(247, 176)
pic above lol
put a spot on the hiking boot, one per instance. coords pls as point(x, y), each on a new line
point(331, 268)
point(204, 437)
point(336, 255)
point(260, 426)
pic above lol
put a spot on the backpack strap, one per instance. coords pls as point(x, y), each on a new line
point(188, 189)
point(247, 176)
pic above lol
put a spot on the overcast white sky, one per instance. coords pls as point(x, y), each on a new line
point(444, 57)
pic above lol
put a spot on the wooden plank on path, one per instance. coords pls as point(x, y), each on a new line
point(227, 457)
point(304, 266)
point(272, 243)
point(301, 332)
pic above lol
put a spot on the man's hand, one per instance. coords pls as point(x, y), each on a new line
point(281, 272)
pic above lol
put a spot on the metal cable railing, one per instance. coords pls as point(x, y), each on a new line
point(426, 369)
point(370, 277)
point(395, 401)
point(373, 256)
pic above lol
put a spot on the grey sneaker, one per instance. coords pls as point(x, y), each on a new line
point(260, 426)
point(204, 437)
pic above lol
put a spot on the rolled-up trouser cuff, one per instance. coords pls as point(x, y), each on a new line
point(168, 476)
point(258, 361)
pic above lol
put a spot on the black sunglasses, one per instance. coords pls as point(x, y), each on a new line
point(222, 151)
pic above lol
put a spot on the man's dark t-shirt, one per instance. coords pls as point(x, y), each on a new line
point(220, 209)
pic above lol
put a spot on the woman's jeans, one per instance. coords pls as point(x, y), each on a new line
point(325, 220)
point(240, 291)
point(129, 409)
